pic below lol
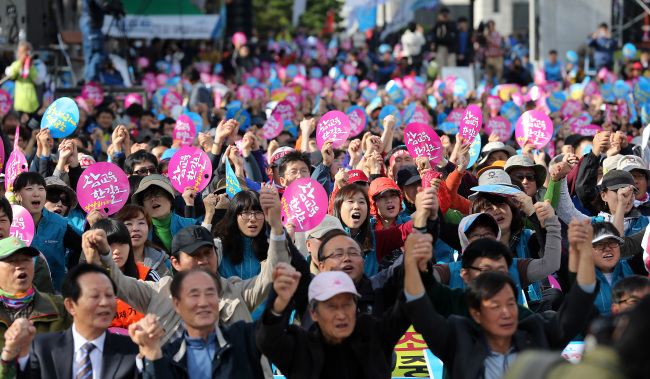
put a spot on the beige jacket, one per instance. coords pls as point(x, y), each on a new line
point(238, 299)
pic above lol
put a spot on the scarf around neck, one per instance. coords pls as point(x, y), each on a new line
point(18, 300)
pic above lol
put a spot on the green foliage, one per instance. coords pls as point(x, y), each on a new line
point(275, 15)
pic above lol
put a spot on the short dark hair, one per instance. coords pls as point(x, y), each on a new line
point(486, 286)
point(629, 284)
point(291, 157)
point(462, 19)
point(191, 74)
point(552, 52)
point(70, 288)
point(104, 110)
point(177, 282)
point(137, 158)
point(6, 207)
point(327, 237)
point(28, 178)
point(603, 25)
point(411, 26)
point(486, 248)
point(391, 152)
point(444, 10)
point(148, 113)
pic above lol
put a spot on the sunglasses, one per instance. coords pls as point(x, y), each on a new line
point(55, 198)
point(146, 171)
point(529, 177)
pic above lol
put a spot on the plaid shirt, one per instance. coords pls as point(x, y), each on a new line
point(15, 313)
point(495, 48)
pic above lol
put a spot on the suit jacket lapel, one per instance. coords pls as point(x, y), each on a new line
point(63, 355)
point(111, 357)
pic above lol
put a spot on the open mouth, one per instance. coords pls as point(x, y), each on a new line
point(104, 314)
point(608, 256)
point(136, 237)
point(347, 269)
point(155, 206)
point(22, 276)
point(252, 228)
point(58, 211)
point(356, 216)
point(36, 204)
point(390, 208)
point(342, 326)
point(500, 219)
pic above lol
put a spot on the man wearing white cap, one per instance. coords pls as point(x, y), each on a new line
point(342, 344)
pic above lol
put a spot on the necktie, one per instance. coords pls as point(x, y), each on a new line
point(85, 368)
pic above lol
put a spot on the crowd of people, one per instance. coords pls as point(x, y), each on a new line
point(213, 284)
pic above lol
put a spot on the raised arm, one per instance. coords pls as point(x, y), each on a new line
point(550, 259)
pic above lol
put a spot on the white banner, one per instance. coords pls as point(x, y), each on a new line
point(165, 27)
point(299, 7)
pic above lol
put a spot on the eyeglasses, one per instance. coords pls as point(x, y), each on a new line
point(55, 198)
point(340, 254)
point(600, 246)
point(146, 171)
point(529, 177)
point(295, 173)
point(150, 195)
point(488, 269)
point(632, 300)
point(484, 235)
point(252, 215)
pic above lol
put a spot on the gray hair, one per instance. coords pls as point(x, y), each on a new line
point(26, 44)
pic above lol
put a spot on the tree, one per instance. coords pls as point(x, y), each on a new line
point(272, 15)
point(316, 14)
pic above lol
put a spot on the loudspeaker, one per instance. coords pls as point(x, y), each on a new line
point(32, 16)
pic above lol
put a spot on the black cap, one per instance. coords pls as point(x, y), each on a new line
point(190, 238)
point(407, 175)
point(615, 179)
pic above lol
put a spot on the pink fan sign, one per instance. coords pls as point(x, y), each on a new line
point(171, 99)
point(623, 110)
point(494, 103)
point(450, 82)
point(591, 89)
point(349, 69)
point(334, 126)
point(15, 165)
point(143, 62)
point(570, 107)
point(339, 94)
point(244, 93)
point(2, 154)
point(418, 90)
point(517, 98)
point(22, 225)
point(608, 113)
point(358, 121)
point(190, 167)
point(81, 103)
point(422, 141)
point(184, 131)
point(586, 130)
point(132, 98)
point(471, 123)
point(534, 127)
point(273, 126)
point(315, 84)
point(285, 109)
point(92, 91)
point(239, 38)
point(500, 126)
point(420, 115)
point(259, 93)
point(304, 203)
point(5, 102)
point(456, 115)
point(294, 99)
point(103, 186)
point(217, 100)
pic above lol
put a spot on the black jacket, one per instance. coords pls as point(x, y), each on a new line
point(446, 34)
point(52, 355)
point(236, 356)
point(463, 348)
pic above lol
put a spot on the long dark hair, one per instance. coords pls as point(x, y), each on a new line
point(228, 229)
point(365, 231)
point(116, 232)
point(483, 201)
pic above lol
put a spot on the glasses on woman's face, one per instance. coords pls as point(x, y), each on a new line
point(475, 236)
point(54, 198)
point(146, 171)
point(600, 246)
point(252, 216)
point(522, 176)
point(150, 195)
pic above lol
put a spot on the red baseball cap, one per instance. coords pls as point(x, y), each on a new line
point(357, 175)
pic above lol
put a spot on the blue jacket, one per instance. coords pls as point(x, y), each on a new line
point(603, 50)
point(553, 72)
point(49, 241)
point(177, 223)
point(236, 356)
point(604, 299)
point(635, 225)
point(456, 281)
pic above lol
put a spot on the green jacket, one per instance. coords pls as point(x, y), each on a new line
point(49, 315)
point(25, 98)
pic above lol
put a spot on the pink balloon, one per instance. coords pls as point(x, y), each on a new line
point(171, 99)
point(534, 126)
point(132, 98)
point(15, 165)
point(304, 203)
point(22, 225)
point(184, 131)
point(422, 141)
point(585, 130)
point(239, 38)
point(471, 123)
point(103, 186)
point(92, 91)
point(570, 107)
point(456, 115)
point(500, 126)
point(420, 115)
point(190, 167)
point(273, 126)
point(358, 121)
point(334, 126)
point(285, 109)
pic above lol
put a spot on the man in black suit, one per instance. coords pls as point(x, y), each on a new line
point(84, 351)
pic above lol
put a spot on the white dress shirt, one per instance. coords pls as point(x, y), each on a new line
point(95, 354)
